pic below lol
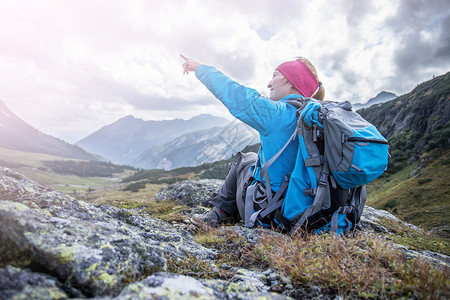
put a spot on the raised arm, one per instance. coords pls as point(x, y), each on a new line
point(244, 103)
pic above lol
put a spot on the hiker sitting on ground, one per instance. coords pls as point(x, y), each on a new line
point(272, 117)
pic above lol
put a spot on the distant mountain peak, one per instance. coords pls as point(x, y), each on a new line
point(5, 112)
point(124, 140)
point(381, 97)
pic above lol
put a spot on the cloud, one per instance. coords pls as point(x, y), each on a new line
point(417, 32)
point(70, 67)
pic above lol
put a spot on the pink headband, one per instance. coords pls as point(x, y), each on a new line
point(300, 76)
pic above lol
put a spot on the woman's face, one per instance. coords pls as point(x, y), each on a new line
point(279, 87)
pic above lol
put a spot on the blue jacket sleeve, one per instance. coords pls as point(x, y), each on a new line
point(244, 103)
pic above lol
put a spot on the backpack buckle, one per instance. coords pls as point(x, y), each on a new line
point(311, 191)
point(323, 179)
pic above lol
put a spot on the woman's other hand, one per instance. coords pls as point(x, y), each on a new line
point(189, 64)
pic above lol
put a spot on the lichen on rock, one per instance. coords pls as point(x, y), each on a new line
point(174, 286)
point(95, 250)
point(69, 248)
point(191, 192)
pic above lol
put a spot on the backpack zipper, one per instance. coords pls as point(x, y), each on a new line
point(364, 140)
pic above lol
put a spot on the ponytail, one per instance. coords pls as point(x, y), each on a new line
point(320, 93)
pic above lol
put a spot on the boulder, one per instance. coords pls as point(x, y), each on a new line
point(95, 249)
point(68, 248)
point(164, 285)
point(25, 284)
point(373, 219)
point(191, 192)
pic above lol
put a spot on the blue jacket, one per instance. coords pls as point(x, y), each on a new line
point(274, 120)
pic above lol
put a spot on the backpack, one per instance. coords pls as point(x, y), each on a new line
point(340, 152)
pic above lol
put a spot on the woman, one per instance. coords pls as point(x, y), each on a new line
point(272, 117)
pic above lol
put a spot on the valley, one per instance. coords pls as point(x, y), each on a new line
point(33, 166)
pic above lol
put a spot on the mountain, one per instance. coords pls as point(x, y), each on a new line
point(199, 147)
point(380, 98)
point(126, 139)
point(417, 126)
point(18, 135)
point(415, 122)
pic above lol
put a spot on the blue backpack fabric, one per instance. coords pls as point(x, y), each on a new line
point(339, 153)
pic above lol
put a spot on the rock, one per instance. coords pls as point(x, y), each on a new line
point(25, 284)
point(191, 192)
point(72, 249)
point(174, 286)
point(373, 218)
point(250, 281)
point(167, 285)
point(443, 230)
point(96, 249)
point(435, 259)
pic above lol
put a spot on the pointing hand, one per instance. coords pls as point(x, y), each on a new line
point(189, 64)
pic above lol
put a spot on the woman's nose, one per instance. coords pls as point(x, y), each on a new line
point(269, 84)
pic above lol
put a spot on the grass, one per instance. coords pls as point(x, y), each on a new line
point(142, 201)
point(424, 199)
point(364, 266)
point(33, 166)
point(26, 159)
point(417, 240)
point(191, 266)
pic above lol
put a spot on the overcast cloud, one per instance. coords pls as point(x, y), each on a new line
point(70, 67)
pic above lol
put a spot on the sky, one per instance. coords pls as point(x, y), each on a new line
point(70, 67)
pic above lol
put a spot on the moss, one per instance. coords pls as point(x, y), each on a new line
point(54, 294)
point(108, 280)
point(106, 246)
point(92, 267)
point(167, 211)
point(417, 240)
point(209, 239)
point(129, 205)
point(194, 267)
point(14, 256)
point(65, 254)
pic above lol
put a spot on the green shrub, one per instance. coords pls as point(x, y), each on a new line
point(135, 187)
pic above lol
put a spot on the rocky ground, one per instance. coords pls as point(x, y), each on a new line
point(54, 246)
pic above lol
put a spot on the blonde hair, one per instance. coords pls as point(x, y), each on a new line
point(320, 94)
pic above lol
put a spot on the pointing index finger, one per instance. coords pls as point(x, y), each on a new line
point(184, 57)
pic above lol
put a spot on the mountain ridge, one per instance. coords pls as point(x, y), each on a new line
point(126, 139)
point(18, 135)
point(382, 97)
point(195, 148)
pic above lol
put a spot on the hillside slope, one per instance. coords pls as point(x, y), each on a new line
point(18, 135)
point(415, 122)
point(417, 126)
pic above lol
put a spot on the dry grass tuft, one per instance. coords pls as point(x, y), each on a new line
point(192, 266)
point(363, 266)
